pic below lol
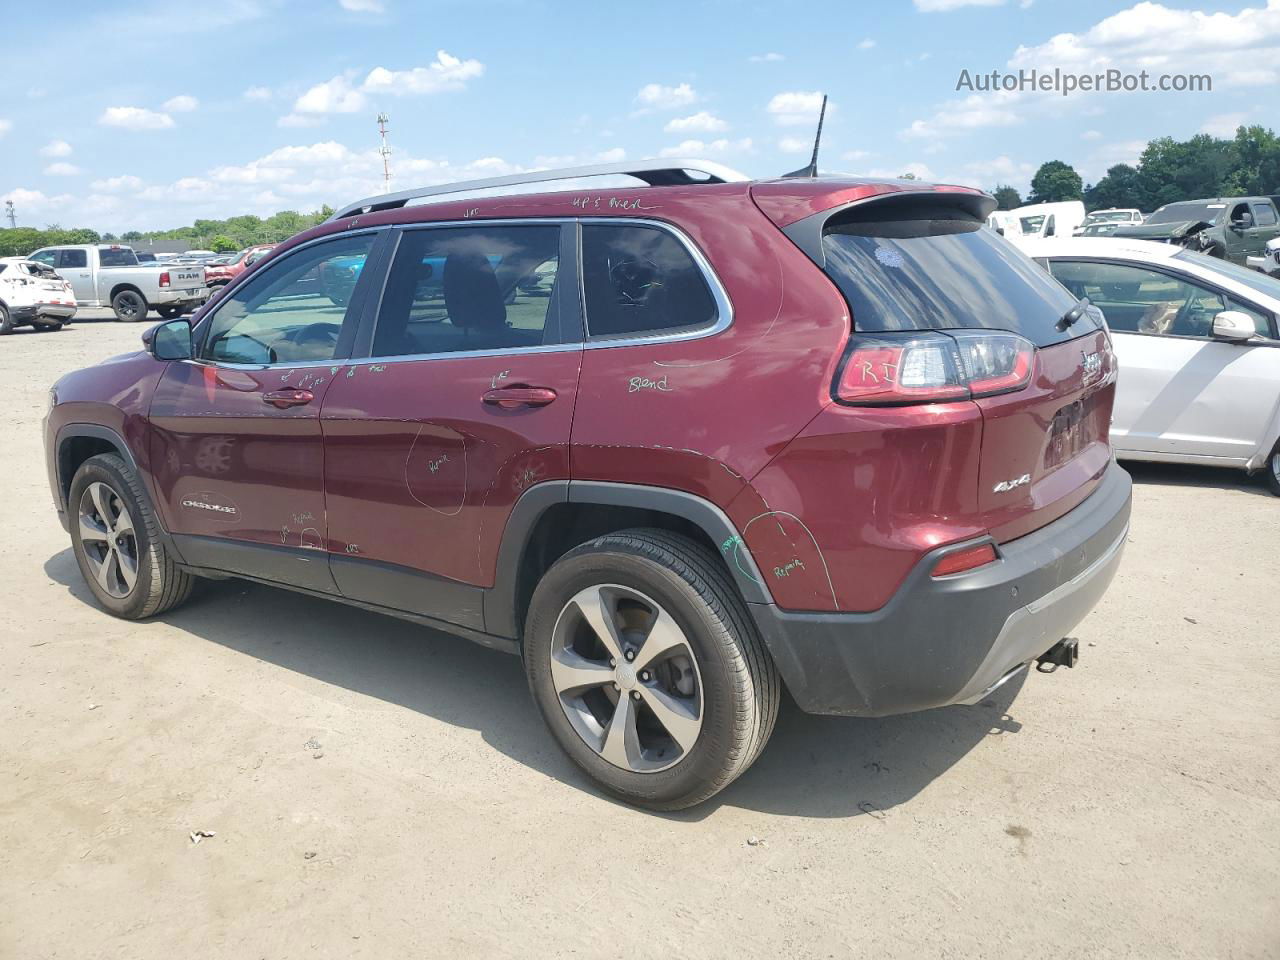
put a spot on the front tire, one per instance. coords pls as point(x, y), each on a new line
point(130, 306)
point(169, 313)
point(1273, 469)
point(648, 670)
point(6, 321)
point(116, 540)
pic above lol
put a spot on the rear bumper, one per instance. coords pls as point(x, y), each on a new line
point(38, 311)
point(950, 640)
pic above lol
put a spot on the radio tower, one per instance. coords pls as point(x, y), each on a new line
point(8, 212)
point(386, 153)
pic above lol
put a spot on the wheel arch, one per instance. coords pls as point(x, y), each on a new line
point(551, 518)
point(124, 285)
point(77, 442)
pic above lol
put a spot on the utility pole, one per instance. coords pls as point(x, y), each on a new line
point(8, 212)
point(386, 153)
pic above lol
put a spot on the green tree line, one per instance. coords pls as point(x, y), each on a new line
point(223, 236)
point(1167, 171)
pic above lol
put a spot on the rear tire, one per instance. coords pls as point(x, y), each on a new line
point(116, 541)
point(47, 327)
point(683, 666)
point(130, 306)
point(6, 321)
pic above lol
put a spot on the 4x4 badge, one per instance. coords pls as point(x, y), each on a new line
point(1004, 486)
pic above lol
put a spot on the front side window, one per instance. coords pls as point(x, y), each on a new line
point(47, 257)
point(456, 289)
point(73, 258)
point(1138, 300)
point(641, 280)
point(293, 311)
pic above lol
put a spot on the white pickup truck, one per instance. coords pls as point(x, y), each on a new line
point(109, 275)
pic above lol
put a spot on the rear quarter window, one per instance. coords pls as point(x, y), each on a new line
point(941, 270)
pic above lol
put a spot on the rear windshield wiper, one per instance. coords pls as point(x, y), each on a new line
point(1076, 312)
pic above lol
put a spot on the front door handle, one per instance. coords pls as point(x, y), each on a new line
point(508, 398)
point(281, 399)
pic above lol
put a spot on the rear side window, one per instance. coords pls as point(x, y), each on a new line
point(455, 289)
point(641, 280)
point(943, 271)
point(1264, 215)
point(73, 258)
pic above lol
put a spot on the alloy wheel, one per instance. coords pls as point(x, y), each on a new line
point(627, 678)
point(108, 539)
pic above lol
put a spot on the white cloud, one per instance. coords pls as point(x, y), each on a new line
point(655, 96)
point(135, 118)
point(1224, 124)
point(56, 148)
point(866, 44)
point(795, 145)
point(181, 104)
point(117, 184)
point(257, 93)
point(766, 58)
point(942, 6)
point(1152, 36)
point(974, 112)
point(446, 72)
point(61, 169)
point(917, 170)
point(343, 95)
point(856, 155)
point(35, 202)
point(797, 107)
point(5, 127)
point(332, 96)
point(362, 6)
point(700, 122)
point(701, 148)
point(1091, 135)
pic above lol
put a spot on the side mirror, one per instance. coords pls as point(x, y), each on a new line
point(1234, 326)
point(172, 341)
point(1244, 223)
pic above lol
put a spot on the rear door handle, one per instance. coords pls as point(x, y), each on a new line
point(288, 398)
point(511, 397)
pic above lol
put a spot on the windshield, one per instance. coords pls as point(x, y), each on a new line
point(1107, 216)
point(1194, 210)
point(1250, 278)
point(939, 274)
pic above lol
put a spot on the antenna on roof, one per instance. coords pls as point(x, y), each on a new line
point(812, 169)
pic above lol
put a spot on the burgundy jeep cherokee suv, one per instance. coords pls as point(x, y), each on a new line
point(677, 444)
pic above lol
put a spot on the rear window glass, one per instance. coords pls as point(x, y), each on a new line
point(641, 280)
point(116, 258)
point(935, 274)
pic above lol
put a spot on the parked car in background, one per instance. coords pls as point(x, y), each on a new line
point(1005, 223)
point(1229, 228)
point(32, 294)
point(654, 457)
point(145, 257)
point(219, 275)
point(1046, 220)
point(1269, 262)
point(109, 275)
point(1103, 222)
point(1198, 347)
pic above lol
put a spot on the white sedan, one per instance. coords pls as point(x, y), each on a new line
point(1196, 339)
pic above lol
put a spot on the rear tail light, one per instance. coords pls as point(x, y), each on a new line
point(933, 367)
point(164, 279)
point(970, 558)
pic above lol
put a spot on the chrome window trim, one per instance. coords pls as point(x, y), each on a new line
point(724, 306)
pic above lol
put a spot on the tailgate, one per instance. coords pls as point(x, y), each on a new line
point(1044, 448)
point(183, 278)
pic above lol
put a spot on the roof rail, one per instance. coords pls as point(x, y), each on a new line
point(669, 172)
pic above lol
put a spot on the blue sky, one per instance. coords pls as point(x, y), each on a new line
point(153, 116)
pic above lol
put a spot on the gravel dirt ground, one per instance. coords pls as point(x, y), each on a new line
point(377, 790)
